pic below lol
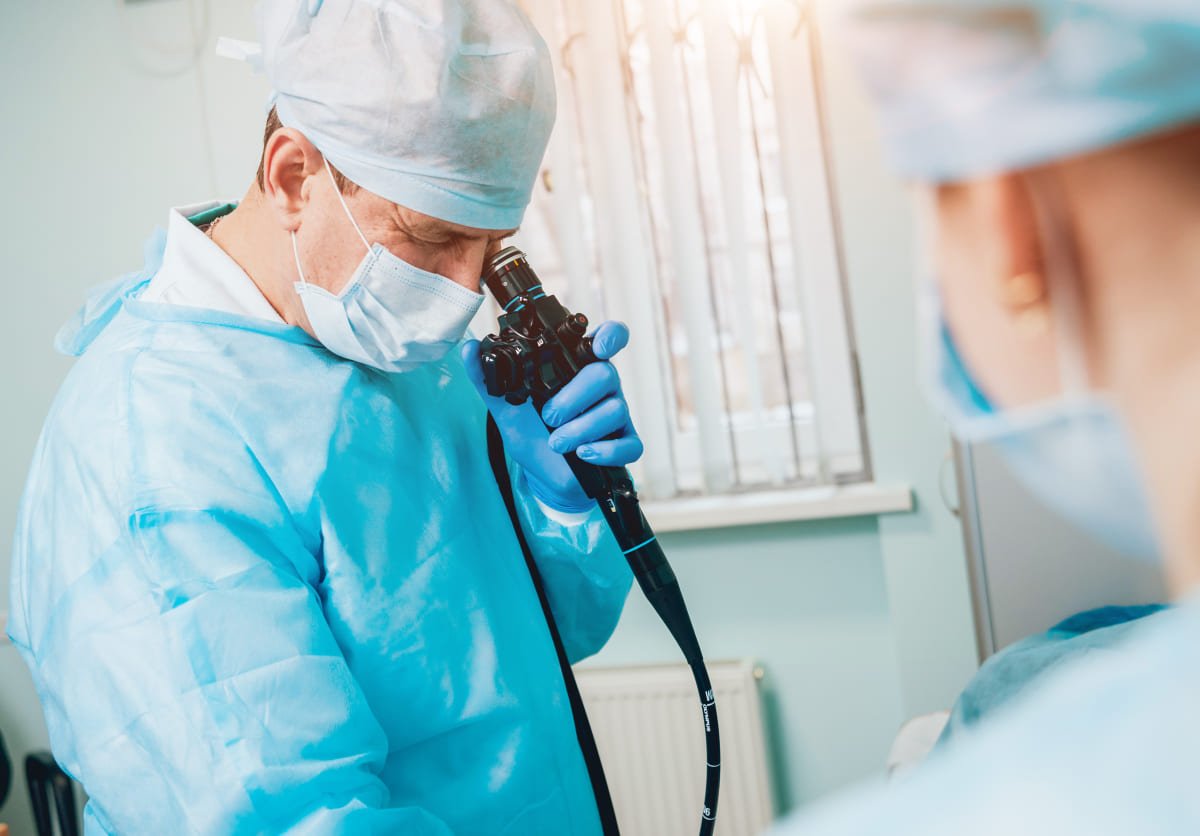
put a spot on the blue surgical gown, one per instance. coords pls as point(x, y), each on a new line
point(262, 590)
point(1017, 669)
point(1108, 745)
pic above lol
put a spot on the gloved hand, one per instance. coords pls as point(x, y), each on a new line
point(587, 409)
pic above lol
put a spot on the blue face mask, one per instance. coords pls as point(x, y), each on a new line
point(1072, 451)
point(391, 315)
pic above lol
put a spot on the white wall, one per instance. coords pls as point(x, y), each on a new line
point(857, 622)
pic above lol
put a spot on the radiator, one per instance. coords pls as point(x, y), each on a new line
point(650, 734)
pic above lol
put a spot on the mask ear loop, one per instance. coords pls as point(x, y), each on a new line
point(928, 296)
point(1064, 283)
point(296, 253)
point(342, 200)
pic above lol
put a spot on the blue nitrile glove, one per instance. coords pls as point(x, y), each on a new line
point(587, 409)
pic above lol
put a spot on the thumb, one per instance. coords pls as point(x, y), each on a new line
point(609, 338)
point(470, 358)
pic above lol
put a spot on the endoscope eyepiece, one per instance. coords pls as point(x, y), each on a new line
point(502, 259)
point(508, 275)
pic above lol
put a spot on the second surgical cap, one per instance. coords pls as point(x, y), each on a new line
point(968, 87)
point(442, 106)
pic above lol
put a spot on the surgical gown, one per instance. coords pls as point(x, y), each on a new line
point(264, 590)
point(1107, 746)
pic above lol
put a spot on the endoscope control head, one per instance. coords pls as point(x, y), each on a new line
point(541, 345)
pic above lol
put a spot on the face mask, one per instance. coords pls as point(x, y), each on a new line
point(390, 316)
point(1072, 451)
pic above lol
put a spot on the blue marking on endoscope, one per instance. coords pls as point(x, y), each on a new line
point(643, 545)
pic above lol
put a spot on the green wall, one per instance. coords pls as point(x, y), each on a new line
point(858, 623)
point(923, 562)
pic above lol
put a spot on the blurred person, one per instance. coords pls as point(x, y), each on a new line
point(1055, 147)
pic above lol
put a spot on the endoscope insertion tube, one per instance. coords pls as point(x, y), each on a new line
point(540, 348)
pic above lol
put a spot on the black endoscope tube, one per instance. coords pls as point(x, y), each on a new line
point(657, 580)
point(540, 348)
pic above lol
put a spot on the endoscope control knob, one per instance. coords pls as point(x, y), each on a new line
point(501, 372)
point(587, 353)
point(624, 489)
point(572, 328)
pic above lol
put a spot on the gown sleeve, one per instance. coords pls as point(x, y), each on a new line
point(585, 575)
point(204, 691)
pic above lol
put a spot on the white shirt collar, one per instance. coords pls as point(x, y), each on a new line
point(197, 273)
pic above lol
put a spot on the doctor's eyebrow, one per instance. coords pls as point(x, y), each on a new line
point(452, 234)
point(432, 231)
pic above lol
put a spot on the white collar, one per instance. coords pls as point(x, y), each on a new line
point(196, 273)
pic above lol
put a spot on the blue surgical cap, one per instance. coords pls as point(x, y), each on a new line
point(968, 87)
point(442, 106)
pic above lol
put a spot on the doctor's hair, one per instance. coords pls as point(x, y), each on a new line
point(345, 185)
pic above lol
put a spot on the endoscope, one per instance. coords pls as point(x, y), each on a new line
point(540, 348)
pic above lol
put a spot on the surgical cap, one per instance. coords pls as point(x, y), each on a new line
point(968, 87)
point(442, 106)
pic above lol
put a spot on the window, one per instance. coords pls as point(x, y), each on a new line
point(686, 192)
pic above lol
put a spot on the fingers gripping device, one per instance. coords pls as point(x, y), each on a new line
point(540, 348)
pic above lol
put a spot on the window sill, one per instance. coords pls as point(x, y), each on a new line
point(792, 505)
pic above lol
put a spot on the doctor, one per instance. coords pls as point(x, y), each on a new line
point(1057, 148)
point(263, 576)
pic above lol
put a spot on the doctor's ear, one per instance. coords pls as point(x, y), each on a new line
point(289, 162)
point(997, 215)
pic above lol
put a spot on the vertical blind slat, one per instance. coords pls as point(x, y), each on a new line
point(624, 248)
point(810, 216)
point(722, 65)
point(689, 264)
point(564, 207)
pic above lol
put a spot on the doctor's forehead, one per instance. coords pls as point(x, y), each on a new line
point(437, 231)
